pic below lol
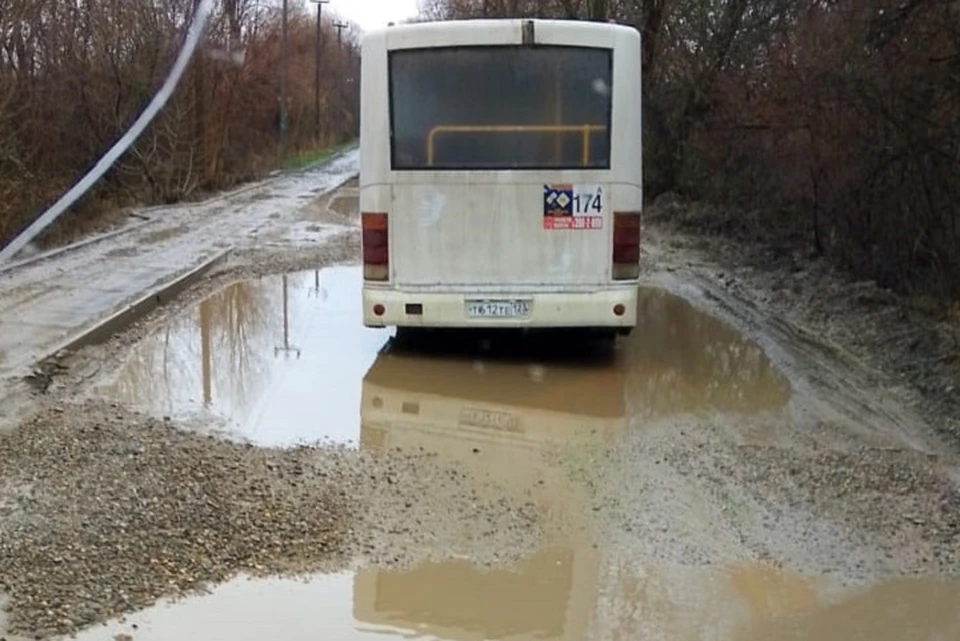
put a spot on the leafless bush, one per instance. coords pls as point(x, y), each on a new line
point(74, 74)
point(838, 121)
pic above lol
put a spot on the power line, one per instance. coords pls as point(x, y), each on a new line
point(204, 9)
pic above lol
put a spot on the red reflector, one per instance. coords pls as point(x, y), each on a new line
point(373, 221)
point(626, 228)
point(626, 235)
point(619, 309)
point(375, 251)
point(375, 245)
point(379, 309)
point(626, 245)
point(626, 253)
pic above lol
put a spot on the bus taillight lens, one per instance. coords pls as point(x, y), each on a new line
point(626, 245)
point(376, 248)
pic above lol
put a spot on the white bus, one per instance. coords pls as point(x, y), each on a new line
point(500, 175)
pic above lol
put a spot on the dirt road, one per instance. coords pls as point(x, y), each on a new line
point(66, 294)
point(720, 474)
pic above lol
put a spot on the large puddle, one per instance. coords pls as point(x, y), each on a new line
point(559, 594)
point(278, 359)
point(285, 359)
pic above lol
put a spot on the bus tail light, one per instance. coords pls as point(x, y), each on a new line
point(376, 248)
point(626, 245)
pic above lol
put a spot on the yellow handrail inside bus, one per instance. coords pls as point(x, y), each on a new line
point(586, 130)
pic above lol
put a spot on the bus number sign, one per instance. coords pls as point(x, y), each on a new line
point(567, 206)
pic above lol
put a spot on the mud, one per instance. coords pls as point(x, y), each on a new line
point(346, 202)
point(289, 351)
point(909, 345)
point(45, 304)
point(121, 252)
point(687, 446)
point(716, 474)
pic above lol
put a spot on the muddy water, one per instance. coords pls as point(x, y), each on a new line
point(279, 359)
point(685, 361)
point(559, 594)
point(512, 411)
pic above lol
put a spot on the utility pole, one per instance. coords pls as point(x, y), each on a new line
point(316, 81)
point(206, 362)
point(283, 83)
point(287, 348)
point(340, 26)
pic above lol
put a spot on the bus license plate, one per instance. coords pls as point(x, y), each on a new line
point(498, 308)
point(501, 421)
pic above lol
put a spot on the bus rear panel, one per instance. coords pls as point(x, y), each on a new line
point(500, 178)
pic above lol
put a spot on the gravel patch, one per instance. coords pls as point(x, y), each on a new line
point(892, 501)
point(687, 493)
point(418, 507)
point(115, 511)
point(252, 262)
point(106, 511)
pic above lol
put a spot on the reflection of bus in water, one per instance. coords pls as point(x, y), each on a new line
point(453, 405)
point(500, 174)
point(509, 412)
point(549, 596)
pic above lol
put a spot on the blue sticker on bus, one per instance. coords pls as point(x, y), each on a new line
point(558, 200)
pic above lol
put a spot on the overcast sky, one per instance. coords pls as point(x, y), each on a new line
point(370, 14)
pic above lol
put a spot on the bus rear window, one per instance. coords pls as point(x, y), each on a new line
point(500, 107)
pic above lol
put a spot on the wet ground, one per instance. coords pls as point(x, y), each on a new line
point(558, 594)
point(46, 303)
point(713, 476)
point(284, 360)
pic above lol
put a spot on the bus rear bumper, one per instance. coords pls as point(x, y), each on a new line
point(608, 308)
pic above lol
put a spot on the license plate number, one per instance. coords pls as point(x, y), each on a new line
point(501, 421)
point(498, 308)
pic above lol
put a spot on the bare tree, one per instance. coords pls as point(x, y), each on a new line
point(105, 60)
point(845, 113)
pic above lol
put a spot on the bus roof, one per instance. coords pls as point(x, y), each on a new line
point(461, 30)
